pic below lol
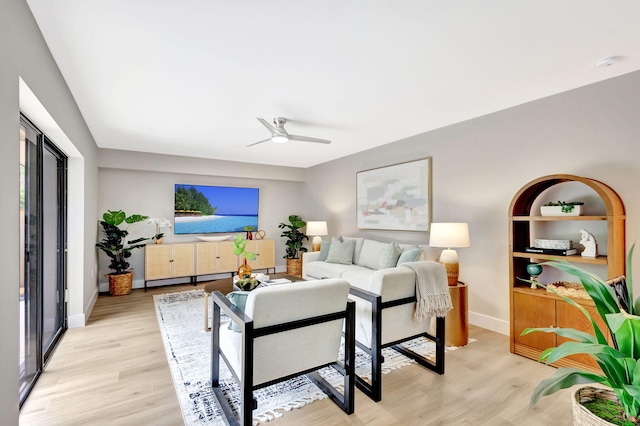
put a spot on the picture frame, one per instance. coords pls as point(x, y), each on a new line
point(395, 197)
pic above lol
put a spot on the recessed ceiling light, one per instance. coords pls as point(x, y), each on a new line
point(608, 61)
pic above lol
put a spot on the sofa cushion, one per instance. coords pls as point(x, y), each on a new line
point(319, 270)
point(341, 251)
point(389, 256)
point(358, 248)
point(371, 253)
point(411, 254)
point(358, 277)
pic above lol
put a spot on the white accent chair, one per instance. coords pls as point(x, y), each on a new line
point(384, 318)
point(286, 330)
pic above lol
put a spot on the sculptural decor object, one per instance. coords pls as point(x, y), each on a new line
point(590, 244)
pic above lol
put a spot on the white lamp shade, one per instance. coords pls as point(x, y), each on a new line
point(318, 227)
point(449, 235)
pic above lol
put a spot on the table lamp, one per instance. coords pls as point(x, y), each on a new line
point(449, 235)
point(317, 229)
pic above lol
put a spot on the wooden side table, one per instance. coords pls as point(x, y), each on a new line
point(456, 324)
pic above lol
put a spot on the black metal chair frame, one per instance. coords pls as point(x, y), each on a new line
point(346, 400)
point(374, 390)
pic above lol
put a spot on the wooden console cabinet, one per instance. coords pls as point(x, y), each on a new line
point(181, 260)
point(536, 307)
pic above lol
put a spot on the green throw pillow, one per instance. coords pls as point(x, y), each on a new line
point(409, 255)
point(324, 250)
point(389, 256)
point(238, 298)
point(341, 251)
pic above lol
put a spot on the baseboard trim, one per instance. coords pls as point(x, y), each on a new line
point(490, 323)
point(80, 320)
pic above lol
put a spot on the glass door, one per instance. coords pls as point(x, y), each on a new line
point(29, 344)
point(53, 247)
point(42, 252)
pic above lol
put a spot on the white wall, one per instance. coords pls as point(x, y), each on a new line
point(24, 56)
point(479, 165)
point(144, 184)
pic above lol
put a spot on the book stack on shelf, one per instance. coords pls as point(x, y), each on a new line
point(552, 247)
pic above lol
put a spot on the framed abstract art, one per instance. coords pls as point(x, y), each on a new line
point(395, 197)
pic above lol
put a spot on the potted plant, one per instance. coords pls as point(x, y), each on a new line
point(295, 241)
point(160, 223)
point(559, 208)
point(619, 361)
point(116, 246)
point(239, 249)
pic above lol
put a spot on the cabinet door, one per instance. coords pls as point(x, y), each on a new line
point(183, 264)
point(227, 261)
point(265, 251)
point(568, 316)
point(157, 261)
point(206, 258)
point(534, 311)
point(266, 254)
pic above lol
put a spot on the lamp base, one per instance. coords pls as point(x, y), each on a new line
point(449, 258)
point(316, 243)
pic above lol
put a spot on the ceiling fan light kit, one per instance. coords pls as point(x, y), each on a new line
point(280, 135)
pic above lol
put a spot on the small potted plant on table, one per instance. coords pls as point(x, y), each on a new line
point(295, 240)
point(116, 246)
point(239, 249)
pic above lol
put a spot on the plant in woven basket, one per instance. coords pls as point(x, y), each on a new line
point(295, 238)
point(619, 361)
point(115, 243)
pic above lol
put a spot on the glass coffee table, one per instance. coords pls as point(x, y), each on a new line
point(225, 286)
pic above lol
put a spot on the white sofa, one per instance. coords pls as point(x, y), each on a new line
point(385, 302)
point(365, 262)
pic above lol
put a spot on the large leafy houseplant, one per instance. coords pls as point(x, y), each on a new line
point(115, 244)
point(295, 238)
point(619, 362)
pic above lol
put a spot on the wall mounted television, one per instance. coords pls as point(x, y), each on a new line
point(203, 209)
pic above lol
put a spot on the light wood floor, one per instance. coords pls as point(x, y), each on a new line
point(114, 372)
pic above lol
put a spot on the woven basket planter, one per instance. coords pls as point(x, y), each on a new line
point(294, 267)
point(584, 417)
point(120, 284)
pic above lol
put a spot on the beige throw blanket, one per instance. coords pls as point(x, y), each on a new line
point(432, 290)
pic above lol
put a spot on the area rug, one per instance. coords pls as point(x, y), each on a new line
point(188, 346)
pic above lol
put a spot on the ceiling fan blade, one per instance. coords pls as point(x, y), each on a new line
point(273, 130)
point(307, 139)
point(266, 140)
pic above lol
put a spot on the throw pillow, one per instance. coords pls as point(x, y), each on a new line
point(324, 249)
point(370, 253)
point(389, 256)
point(238, 298)
point(341, 251)
point(409, 255)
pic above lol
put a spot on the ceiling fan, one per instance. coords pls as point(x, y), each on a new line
point(280, 135)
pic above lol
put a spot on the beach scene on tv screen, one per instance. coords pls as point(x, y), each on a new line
point(201, 209)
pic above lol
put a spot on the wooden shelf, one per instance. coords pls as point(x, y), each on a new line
point(541, 292)
point(556, 218)
point(600, 260)
point(537, 307)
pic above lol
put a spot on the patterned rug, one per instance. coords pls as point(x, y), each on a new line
point(188, 346)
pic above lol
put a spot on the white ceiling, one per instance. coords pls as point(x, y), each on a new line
point(190, 77)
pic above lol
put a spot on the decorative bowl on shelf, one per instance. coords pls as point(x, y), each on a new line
point(214, 238)
point(557, 211)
